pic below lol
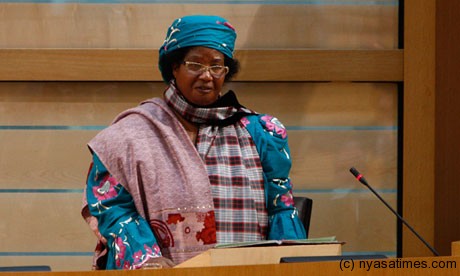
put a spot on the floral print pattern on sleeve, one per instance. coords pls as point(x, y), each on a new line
point(130, 240)
point(271, 139)
point(274, 126)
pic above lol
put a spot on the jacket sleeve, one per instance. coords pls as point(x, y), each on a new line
point(271, 141)
point(130, 241)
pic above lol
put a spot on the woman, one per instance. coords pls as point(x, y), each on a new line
point(175, 176)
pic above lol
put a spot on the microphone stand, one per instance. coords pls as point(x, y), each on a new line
point(363, 181)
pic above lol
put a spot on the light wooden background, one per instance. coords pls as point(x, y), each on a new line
point(44, 126)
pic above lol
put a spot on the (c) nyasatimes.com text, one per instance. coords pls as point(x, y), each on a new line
point(350, 264)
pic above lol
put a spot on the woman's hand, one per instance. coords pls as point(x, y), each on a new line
point(157, 263)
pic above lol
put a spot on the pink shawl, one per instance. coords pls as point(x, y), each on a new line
point(183, 223)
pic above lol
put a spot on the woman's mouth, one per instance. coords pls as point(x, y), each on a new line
point(204, 89)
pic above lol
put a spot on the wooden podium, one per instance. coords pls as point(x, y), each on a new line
point(255, 255)
point(313, 268)
point(265, 261)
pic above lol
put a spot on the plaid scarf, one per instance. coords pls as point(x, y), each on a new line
point(233, 165)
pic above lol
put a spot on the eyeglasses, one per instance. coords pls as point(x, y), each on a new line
point(197, 69)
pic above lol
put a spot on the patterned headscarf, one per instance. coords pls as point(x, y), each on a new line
point(200, 30)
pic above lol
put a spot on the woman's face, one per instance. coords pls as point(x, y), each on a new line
point(200, 89)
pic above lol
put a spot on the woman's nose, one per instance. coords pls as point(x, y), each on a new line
point(206, 74)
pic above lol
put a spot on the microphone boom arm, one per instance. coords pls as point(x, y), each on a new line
point(364, 182)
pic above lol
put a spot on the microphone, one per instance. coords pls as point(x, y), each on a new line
point(361, 179)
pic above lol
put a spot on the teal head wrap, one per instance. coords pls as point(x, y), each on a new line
point(200, 30)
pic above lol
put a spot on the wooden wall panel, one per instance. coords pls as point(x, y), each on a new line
point(50, 159)
point(322, 104)
point(358, 218)
point(322, 159)
point(96, 103)
point(44, 159)
point(447, 190)
point(40, 227)
point(419, 124)
point(71, 103)
point(74, 25)
point(340, 125)
point(257, 65)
